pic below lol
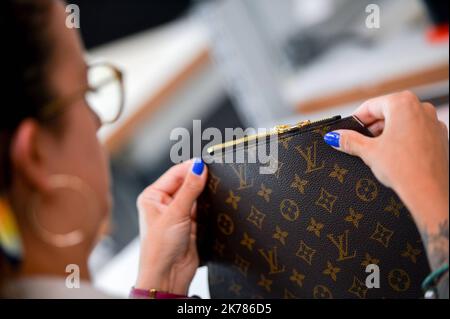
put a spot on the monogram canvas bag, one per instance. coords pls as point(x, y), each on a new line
point(319, 226)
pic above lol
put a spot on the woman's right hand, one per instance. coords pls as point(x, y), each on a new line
point(167, 220)
point(409, 153)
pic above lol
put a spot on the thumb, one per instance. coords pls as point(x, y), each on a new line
point(348, 141)
point(191, 188)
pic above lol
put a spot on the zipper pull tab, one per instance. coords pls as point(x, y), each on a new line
point(283, 128)
point(303, 123)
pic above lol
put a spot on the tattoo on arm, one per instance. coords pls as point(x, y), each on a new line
point(436, 245)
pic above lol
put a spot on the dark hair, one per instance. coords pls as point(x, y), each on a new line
point(25, 57)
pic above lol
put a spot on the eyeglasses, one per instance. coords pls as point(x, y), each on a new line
point(104, 94)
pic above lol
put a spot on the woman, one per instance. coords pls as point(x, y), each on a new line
point(50, 158)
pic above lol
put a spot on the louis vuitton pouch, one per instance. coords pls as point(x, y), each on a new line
point(318, 225)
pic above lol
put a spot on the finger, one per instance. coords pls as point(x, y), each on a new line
point(194, 211)
point(350, 142)
point(192, 250)
point(376, 128)
point(193, 229)
point(371, 111)
point(193, 185)
point(171, 180)
point(430, 110)
point(150, 203)
point(379, 108)
point(444, 128)
point(157, 196)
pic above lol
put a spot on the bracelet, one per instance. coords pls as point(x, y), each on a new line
point(430, 282)
point(153, 294)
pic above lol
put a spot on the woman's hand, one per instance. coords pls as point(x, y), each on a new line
point(167, 209)
point(410, 143)
point(409, 153)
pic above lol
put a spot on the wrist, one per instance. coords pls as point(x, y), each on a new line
point(151, 278)
point(137, 293)
point(427, 201)
point(161, 280)
point(153, 273)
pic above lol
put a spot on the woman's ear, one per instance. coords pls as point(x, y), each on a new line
point(29, 160)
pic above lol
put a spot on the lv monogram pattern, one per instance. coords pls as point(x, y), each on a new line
point(308, 230)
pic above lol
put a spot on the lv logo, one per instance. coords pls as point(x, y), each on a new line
point(241, 172)
point(341, 244)
point(272, 259)
point(310, 156)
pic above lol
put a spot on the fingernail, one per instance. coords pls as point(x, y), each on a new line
point(198, 166)
point(332, 139)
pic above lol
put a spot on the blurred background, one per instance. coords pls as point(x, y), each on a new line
point(245, 63)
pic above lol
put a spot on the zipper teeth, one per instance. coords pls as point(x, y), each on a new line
point(324, 120)
point(244, 139)
point(239, 141)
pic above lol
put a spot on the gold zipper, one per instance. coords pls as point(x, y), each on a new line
point(278, 129)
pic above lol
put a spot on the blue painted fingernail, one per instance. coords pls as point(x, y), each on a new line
point(332, 139)
point(198, 166)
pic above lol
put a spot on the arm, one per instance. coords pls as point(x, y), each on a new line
point(410, 154)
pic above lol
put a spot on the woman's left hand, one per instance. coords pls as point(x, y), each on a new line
point(167, 209)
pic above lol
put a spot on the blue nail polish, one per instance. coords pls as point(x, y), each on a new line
point(198, 166)
point(332, 139)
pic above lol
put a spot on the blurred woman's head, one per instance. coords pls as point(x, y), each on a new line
point(53, 170)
